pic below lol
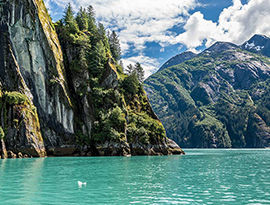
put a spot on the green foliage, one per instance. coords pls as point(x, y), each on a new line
point(142, 128)
point(98, 59)
point(82, 19)
point(130, 85)
point(16, 98)
point(85, 45)
point(140, 72)
point(109, 125)
point(69, 21)
point(2, 134)
point(87, 53)
point(205, 101)
point(103, 38)
point(81, 139)
point(136, 70)
point(68, 14)
point(114, 45)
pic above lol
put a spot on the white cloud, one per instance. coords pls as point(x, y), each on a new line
point(47, 4)
point(150, 65)
point(236, 24)
point(140, 21)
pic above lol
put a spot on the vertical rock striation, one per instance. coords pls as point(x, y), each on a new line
point(32, 64)
point(45, 107)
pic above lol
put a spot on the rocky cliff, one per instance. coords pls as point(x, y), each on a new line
point(50, 104)
point(219, 98)
point(258, 44)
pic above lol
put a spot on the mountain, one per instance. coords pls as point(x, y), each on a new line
point(179, 58)
point(258, 44)
point(220, 98)
point(63, 94)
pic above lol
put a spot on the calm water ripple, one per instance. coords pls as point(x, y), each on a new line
point(201, 177)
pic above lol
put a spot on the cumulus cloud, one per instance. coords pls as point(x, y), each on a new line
point(139, 22)
point(236, 24)
point(150, 65)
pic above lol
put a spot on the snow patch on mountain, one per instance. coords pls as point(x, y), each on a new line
point(253, 46)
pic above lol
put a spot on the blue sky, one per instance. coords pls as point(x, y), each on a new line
point(152, 31)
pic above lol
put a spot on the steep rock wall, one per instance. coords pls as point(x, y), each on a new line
point(32, 63)
point(48, 107)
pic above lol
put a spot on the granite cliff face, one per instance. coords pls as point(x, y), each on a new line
point(48, 108)
point(219, 98)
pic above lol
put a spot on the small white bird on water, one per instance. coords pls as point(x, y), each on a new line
point(80, 184)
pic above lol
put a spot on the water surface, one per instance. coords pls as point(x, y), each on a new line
point(211, 176)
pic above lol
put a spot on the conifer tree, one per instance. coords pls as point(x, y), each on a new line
point(98, 56)
point(102, 36)
point(69, 20)
point(140, 72)
point(82, 19)
point(121, 64)
point(136, 70)
point(130, 69)
point(68, 14)
point(115, 46)
point(91, 12)
point(92, 28)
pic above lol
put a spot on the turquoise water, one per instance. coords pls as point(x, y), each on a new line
point(200, 177)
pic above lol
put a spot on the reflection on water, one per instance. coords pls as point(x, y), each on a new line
point(23, 179)
point(200, 177)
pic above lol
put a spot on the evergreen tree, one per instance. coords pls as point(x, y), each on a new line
point(102, 36)
point(130, 85)
point(140, 72)
point(91, 12)
point(130, 69)
point(92, 28)
point(115, 46)
point(69, 20)
point(136, 70)
point(98, 56)
point(121, 64)
point(68, 14)
point(82, 19)
point(84, 48)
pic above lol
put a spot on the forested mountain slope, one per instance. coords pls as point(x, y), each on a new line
point(219, 98)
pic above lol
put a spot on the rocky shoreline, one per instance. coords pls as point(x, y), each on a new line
point(106, 149)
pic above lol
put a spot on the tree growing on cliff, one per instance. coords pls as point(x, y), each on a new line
point(102, 36)
point(136, 70)
point(98, 56)
point(129, 70)
point(114, 46)
point(139, 71)
point(82, 19)
point(69, 20)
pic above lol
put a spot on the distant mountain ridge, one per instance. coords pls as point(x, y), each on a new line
point(219, 98)
point(177, 59)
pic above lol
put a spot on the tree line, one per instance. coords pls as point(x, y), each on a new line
point(94, 43)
